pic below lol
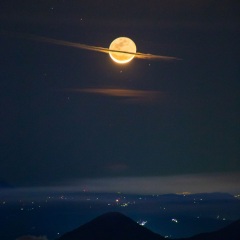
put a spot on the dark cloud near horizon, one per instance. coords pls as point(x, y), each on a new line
point(192, 183)
point(159, 185)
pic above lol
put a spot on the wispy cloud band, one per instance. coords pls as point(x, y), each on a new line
point(90, 47)
point(192, 183)
point(132, 95)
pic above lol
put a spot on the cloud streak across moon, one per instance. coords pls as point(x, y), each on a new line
point(138, 55)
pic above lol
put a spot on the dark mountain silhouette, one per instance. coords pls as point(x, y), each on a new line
point(116, 226)
point(231, 232)
point(111, 226)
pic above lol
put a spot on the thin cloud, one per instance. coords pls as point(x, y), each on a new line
point(90, 47)
point(193, 183)
point(100, 49)
point(32, 238)
point(118, 167)
point(132, 95)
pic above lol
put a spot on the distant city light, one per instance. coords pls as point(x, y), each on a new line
point(142, 223)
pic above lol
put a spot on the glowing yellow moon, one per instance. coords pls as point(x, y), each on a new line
point(126, 47)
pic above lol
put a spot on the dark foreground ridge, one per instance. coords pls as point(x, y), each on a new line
point(116, 226)
point(111, 226)
point(231, 232)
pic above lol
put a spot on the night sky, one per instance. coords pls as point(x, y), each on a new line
point(69, 115)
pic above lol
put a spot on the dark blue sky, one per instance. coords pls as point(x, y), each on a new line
point(61, 118)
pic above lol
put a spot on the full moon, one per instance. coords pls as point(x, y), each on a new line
point(125, 49)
